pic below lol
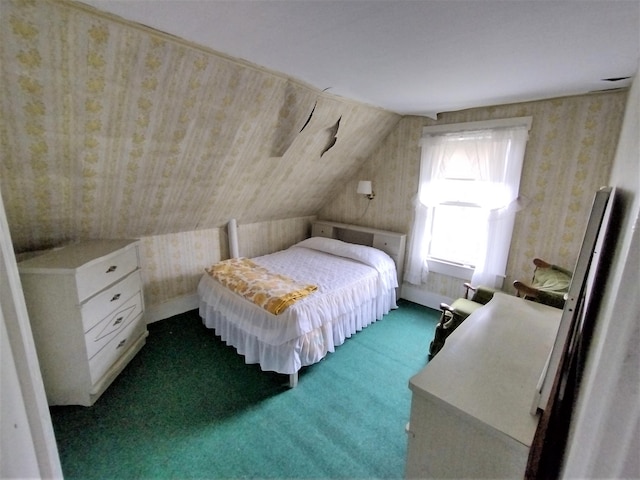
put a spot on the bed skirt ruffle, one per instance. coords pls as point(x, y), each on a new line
point(307, 349)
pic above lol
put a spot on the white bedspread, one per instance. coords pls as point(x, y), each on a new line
point(343, 286)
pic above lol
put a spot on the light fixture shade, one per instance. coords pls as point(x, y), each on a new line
point(364, 187)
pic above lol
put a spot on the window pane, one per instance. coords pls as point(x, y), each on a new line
point(455, 234)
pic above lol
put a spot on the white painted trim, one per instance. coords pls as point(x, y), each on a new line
point(462, 272)
point(27, 367)
point(480, 125)
point(232, 230)
point(422, 297)
point(172, 307)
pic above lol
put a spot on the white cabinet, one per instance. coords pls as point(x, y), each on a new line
point(85, 306)
point(471, 405)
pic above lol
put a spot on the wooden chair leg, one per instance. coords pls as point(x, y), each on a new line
point(440, 334)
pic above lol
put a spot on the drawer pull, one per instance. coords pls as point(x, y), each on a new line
point(118, 321)
point(122, 342)
point(111, 269)
point(115, 297)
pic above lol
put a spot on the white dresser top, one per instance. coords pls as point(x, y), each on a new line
point(490, 365)
point(65, 259)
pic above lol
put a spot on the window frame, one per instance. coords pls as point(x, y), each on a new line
point(444, 266)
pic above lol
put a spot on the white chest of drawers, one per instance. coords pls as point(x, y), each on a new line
point(471, 405)
point(85, 306)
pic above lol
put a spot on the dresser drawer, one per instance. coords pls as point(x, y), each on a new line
point(100, 335)
point(105, 358)
point(104, 303)
point(96, 276)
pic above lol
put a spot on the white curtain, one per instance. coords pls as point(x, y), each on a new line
point(432, 168)
point(496, 160)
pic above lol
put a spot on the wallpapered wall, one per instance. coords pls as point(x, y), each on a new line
point(173, 263)
point(569, 156)
point(115, 130)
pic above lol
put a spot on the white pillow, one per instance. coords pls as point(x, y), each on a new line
point(367, 255)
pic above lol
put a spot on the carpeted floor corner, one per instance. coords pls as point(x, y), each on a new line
point(188, 407)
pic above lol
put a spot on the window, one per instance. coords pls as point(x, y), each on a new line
point(446, 242)
point(469, 179)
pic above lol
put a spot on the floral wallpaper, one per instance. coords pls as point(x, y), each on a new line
point(116, 130)
point(569, 156)
point(173, 263)
point(111, 129)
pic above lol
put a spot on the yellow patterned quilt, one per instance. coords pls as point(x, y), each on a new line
point(271, 291)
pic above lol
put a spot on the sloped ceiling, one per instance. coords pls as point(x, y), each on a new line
point(110, 130)
point(417, 57)
point(113, 129)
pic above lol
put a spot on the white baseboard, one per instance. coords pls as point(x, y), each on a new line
point(172, 307)
point(422, 297)
point(182, 304)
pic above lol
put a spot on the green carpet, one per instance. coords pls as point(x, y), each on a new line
point(188, 407)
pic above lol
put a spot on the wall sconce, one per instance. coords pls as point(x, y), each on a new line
point(364, 188)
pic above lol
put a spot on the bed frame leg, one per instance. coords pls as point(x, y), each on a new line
point(293, 380)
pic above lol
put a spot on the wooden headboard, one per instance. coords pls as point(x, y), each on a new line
point(392, 243)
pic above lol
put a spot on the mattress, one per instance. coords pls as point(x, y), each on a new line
point(356, 286)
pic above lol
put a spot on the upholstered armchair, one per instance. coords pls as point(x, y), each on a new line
point(549, 285)
point(453, 315)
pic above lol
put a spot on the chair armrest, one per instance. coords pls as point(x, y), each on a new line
point(538, 262)
point(526, 290)
point(445, 307)
point(468, 288)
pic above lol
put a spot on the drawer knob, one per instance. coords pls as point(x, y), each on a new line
point(111, 269)
point(118, 320)
point(115, 297)
point(122, 342)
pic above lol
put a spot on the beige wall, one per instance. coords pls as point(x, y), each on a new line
point(605, 435)
point(569, 156)
point(173, 263)
point(114, 130)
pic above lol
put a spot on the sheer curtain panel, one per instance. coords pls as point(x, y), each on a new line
point(479, 165)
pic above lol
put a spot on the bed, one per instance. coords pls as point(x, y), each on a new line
point(347, 286)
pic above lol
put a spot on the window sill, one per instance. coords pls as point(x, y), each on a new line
point(450, 269)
